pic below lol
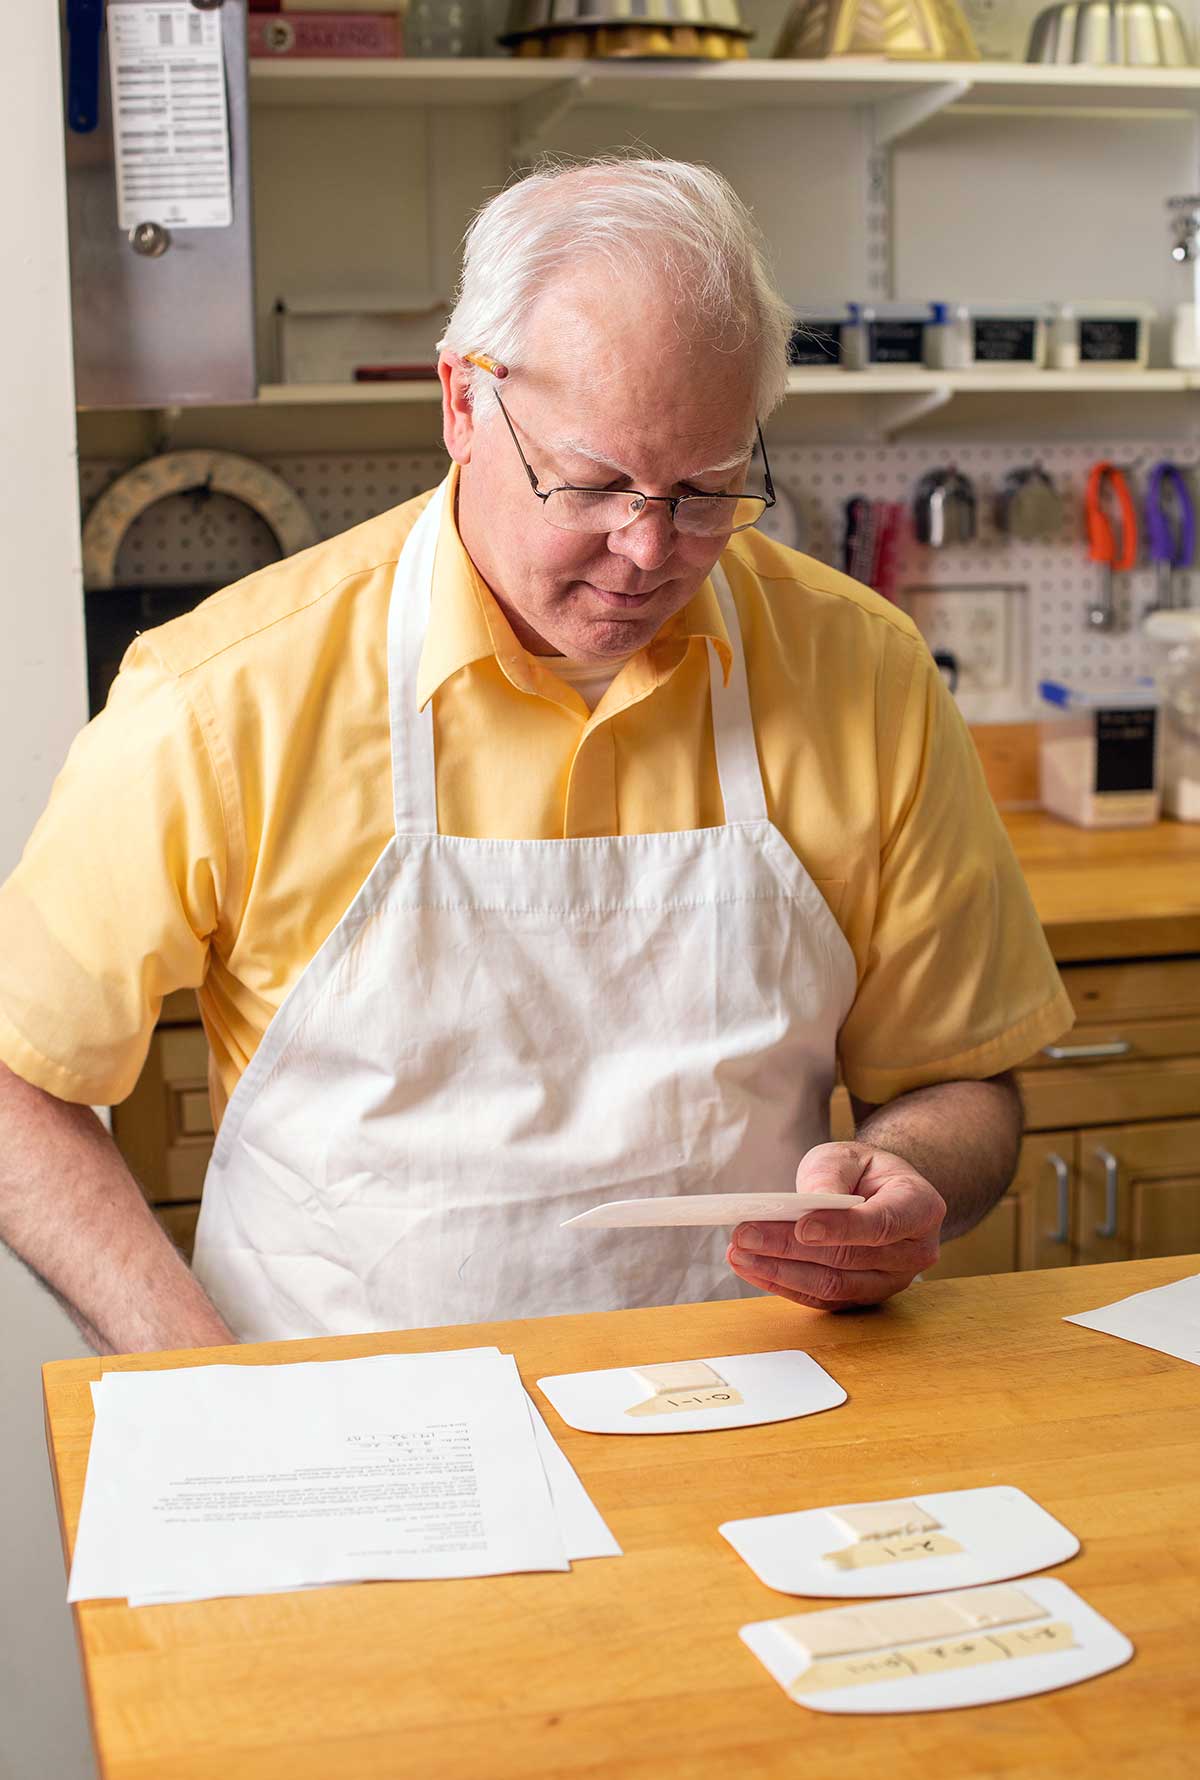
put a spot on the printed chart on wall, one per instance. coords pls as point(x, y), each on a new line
point(170, 125)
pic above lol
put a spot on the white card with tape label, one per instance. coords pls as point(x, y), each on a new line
point(694, 1396)
point(708, 1208)
point(919, 1545)
point(971, 1647)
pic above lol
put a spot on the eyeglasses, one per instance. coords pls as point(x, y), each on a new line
point(574, 509)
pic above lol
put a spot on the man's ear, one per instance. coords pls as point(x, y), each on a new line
point(458, 418)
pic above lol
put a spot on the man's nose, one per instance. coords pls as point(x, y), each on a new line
point(649, 539)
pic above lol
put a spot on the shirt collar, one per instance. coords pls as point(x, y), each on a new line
point(467, 625)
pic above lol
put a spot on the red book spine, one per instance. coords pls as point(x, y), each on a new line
point(297, 34)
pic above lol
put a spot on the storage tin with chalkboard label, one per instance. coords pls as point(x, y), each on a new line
point(1098, 755)
point(884, 336)
point(816, 342)
point(986, 336)
point(1102, 336)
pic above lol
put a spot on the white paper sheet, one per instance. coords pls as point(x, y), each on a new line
point(215, 1480)
point(1167, 1318)
point(584, 1530)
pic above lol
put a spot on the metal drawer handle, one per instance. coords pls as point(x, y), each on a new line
point(1063, 1174)
point(1117, 1047)
point(1112, 1170)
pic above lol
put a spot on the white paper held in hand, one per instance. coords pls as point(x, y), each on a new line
point(709, 1208)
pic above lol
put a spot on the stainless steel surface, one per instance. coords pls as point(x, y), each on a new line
point(526, 16)
point(150, 238)
point(944, 509)
point(1119, 1047)
point(1102, 613)
point(1029, 506)
point(903, 30)
point(1112, 1175)
point(177, 327)
point(1117, 33)
point(1063, 1175)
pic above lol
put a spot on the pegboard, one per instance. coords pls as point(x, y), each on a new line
point(210, 540)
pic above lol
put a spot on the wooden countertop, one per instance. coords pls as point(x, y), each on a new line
point(1111, 893)
point(632, 1667)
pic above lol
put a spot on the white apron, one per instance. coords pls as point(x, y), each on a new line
point(501, 1033)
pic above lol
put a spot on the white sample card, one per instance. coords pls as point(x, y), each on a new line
point(1167, 1318)
point(701, 1209)
point(170, 123)
point(694, 1396)
point(969, 1648)
point(920, 1545)
point(216, 1480)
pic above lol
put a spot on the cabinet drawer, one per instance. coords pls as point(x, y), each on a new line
point(1161, 988)
point(1092, 1093)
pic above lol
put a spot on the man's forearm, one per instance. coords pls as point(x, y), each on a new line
point(73, 1213)
point(962, 1136)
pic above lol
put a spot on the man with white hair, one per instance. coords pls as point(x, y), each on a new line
point(547, 840)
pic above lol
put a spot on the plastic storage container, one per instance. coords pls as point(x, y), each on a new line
point(1179, 688)
point(1098, 755)
point(884, 336)
point(1087, 334)
point(816, 342)
point(986, 336)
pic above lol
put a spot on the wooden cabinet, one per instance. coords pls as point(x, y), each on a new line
point(165, 1128)
point(1110, 1167)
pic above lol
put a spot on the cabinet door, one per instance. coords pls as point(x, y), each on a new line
point(1138, 1191)
point(1030, 1225)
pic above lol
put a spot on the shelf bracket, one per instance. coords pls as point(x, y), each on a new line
point(894, 118)
point(535, 116)
point(906, 410)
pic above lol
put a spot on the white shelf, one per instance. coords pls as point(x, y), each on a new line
point(802, 384)
point(921, 88)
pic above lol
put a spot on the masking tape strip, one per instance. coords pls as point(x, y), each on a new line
point(934, 1659)
point(850, 1631)
point(872, 1553)
point(681, 1387)
point(883, 1520)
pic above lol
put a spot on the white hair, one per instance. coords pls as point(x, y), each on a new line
point(664, 219)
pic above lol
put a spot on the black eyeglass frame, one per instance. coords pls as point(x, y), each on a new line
point(673, 501)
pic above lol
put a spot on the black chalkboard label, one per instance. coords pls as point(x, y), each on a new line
point(1005, 340)
point(895, 342)
point(1125, 749)
point(1107, 339)
point(816, 343)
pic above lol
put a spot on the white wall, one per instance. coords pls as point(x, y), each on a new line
point(43, 1729)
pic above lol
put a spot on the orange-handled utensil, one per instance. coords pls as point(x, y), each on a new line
point(1114, 547)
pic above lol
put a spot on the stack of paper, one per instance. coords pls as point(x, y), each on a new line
point(233, 1480)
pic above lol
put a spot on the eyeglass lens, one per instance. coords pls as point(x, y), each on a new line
point(608, 510)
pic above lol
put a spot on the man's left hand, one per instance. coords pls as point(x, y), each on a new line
point(833, 1260)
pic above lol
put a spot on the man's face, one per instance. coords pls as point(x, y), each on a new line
point(613, 398)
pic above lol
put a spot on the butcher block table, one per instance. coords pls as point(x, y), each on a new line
point(632, 1666)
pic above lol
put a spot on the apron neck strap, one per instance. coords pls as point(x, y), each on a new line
point(733, 728)
point(414, 783)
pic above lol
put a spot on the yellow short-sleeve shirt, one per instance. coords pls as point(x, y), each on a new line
point(211, 826)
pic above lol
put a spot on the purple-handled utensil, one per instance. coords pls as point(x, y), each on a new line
point(1171, 540)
